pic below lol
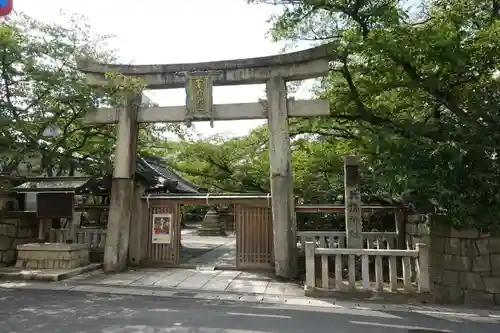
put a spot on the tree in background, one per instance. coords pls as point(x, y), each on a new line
point(417, 90)
point(41, 89)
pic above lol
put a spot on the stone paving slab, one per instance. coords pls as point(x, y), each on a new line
point(151, 279)
point(173, 280)
point(221, 281)
point(197, 279)
point(280, 288)
point(248, 286)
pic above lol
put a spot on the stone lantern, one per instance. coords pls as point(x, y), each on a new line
point(211, 224)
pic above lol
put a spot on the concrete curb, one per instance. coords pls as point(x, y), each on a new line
point(372, 296)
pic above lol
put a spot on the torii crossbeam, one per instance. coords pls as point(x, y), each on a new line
point(199, 79)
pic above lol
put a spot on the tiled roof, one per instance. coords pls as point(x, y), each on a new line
point(157, 167)
point(153, 171)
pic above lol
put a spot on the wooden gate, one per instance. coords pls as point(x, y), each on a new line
point(253, 224)
point(164, 254)
point(254, 237)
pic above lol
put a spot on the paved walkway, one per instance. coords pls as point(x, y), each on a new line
point(193, 279)
point(223, 255)
point(213, 251)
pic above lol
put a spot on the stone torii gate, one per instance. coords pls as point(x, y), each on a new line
point(199, 79)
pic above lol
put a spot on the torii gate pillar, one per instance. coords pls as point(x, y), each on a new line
point(280, 165)
point(122, 187)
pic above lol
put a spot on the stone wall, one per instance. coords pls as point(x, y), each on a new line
point(464, 265)
point(16, 228)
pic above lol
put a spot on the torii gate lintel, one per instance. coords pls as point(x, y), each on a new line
point(274, 71)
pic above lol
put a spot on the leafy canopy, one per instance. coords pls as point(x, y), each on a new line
point(41, 88)
point(418, 88)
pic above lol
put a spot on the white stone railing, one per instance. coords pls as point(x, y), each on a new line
point(337, 239)
point(412, 261)
point(95, 238)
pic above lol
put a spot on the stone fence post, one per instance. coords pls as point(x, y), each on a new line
point(310, 269)
point(423, 267)
point(417, 230)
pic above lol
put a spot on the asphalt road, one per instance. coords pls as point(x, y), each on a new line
point(24, 311)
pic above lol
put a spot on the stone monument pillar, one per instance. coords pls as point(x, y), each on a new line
point(353, 215)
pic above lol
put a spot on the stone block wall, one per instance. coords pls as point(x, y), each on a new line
point(464, 265)
point(16, 228)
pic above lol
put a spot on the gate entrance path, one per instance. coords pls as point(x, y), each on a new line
point(208, 252)
point(253, 248)
point(198, 80)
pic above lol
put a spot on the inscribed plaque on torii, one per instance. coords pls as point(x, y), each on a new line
point(199, 95)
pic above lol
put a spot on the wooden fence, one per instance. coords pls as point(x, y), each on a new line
point(413, 278)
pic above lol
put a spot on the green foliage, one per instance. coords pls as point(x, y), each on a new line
point(222, 164)
point(41, 87)
point(418, 91)
point(242, 164)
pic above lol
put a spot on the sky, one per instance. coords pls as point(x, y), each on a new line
point(178, 31)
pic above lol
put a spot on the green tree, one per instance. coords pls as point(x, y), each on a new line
point(242, 164)
point(224, 164)
point(41, 88)
point(418, 90)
